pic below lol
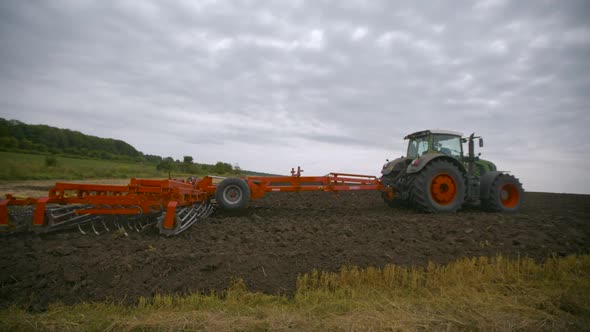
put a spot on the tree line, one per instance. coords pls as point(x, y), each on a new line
point(21, 137)
point(16, 136)
point(187, 165)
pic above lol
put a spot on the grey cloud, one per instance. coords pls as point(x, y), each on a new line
point(279, 76)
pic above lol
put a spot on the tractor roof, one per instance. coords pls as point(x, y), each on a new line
point(433, 131)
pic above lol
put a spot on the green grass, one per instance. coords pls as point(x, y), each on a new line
point(21, 166)
point(469, 294)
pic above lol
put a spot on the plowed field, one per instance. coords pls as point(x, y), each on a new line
point(277, 238)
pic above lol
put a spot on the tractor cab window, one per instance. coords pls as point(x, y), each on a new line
point(447, 144)
point(418, 147)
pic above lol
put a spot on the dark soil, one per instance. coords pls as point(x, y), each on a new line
point(275, 240)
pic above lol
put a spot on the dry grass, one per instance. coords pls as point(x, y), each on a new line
point(469, 294)
point(478, 293)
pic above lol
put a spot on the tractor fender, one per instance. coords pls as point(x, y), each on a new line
point(394, 165)
point(427, 158)
point(485, 182)
point(485, 166)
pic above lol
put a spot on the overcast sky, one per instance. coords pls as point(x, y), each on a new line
point(327, 85)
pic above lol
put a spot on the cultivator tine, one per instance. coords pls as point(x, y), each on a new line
point(128, 223)
point(132, 222)
point(63, 217)
point(146, 221)
point(122, 228)
point(185, 217)
point(140, 221)
point(124, 221)
point(110, 224)
point(89, 226)
point(104, 224)
point(106, 218)
point(85, 219)
point(115, 223)
point(94, 229)
point(80, 229)
point(209, 211)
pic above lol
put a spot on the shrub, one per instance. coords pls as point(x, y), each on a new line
point(166, 165)
point(50, 161)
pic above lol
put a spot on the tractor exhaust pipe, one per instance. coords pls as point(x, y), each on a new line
point(471, 156)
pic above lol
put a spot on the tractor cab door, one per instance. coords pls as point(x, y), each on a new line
point(417, 147)
point(449, 145)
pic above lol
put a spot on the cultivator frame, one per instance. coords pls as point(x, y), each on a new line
point(170, 205)
point(333, 182)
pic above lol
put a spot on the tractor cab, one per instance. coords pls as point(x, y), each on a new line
point(435, 141)
point(428, 144)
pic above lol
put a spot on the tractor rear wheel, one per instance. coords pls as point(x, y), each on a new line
point(391, 202)
point(232, 194)
point(505, 195)
point(439, 187)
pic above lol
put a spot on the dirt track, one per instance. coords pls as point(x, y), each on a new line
point(279, 237)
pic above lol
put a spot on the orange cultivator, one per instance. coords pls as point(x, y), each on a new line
point(170, 205)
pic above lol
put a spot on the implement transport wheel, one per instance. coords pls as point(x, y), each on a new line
point(505, 195)
point(232, 194)
point(439, 187)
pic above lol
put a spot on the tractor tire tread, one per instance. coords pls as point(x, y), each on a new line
point(419, 195)
point(245, 192)
point(492, 203)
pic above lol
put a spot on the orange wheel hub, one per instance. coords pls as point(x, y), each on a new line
point(509, 195)
point(443, 189)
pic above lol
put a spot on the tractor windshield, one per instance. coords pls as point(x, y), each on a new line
point(447, 144)
point(417, 147)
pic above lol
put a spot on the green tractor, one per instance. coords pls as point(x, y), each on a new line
point(436, 176)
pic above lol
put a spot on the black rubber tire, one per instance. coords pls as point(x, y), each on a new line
point(505, 195)
point(232, 186)
point(393, 203)
point(421, 196)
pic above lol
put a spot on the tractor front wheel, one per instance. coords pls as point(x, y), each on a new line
point(439, 187)
point(505, 195)
point(232, 194)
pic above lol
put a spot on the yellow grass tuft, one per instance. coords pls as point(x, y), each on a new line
point(469, 294)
